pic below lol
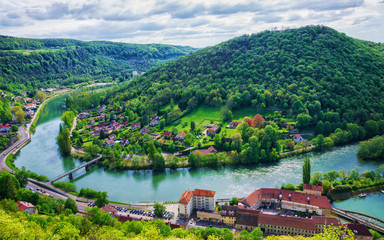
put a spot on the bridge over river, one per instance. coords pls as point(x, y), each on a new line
point(69, 173)
point(369, 221)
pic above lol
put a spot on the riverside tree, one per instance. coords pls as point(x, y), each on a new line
point(306, 170)
point(159, 210)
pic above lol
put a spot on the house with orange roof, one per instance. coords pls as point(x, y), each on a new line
point(198, 199)
point(26, 207)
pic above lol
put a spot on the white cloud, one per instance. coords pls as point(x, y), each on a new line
point(198, 23)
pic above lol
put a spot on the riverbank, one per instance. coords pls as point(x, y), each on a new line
point(355, 193)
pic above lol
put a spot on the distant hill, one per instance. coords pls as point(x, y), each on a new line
point(294, 69)
point(30, 63)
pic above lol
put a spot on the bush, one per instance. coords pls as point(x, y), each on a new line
point(88, 193)
point(65, 186)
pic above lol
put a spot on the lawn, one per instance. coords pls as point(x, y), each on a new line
point(202, 116)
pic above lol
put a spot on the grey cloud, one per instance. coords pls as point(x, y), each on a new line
point(188, 12)
point(267, 18)
point(198, 23)
point(150, 27)
point(360, 20)
point(294, 17)
point(13, 15)
point(16, 22)
point(321, 5)
point(219, 9)
point(60, 10)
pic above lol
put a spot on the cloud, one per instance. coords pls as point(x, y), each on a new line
point(321, 5)
point(59, 10)
point(267, 18)
point(195, 22)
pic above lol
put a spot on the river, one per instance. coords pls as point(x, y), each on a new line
point(42, 156)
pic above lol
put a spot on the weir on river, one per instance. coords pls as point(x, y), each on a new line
point(42, 156)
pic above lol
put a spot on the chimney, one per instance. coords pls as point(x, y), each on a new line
point(289, 196)
point(308, 199)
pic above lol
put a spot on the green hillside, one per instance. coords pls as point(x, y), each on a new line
point(34, 63)
point(295, 69)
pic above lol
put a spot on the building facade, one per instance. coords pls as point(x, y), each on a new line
point(284, 199)
point(197, 199)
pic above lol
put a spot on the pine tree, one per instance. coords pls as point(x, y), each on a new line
point(306, 170)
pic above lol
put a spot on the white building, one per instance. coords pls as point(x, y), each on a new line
point(197, 199)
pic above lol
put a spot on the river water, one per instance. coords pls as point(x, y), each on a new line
point(42, 156)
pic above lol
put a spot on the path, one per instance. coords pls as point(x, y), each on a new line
point(284, 153)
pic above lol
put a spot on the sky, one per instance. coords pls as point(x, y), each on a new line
point(196, 23)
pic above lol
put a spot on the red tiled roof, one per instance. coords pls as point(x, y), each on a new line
point(291, 222)
point(296, 136)
point(208, 150)
point(186, 197)
point(135, 124)
point(213, 129)
point(167, 133)
point(182, 134)
point(359, 230)
point(320, 201)
point(206, 193)
point(24, 205)
point(313, 187)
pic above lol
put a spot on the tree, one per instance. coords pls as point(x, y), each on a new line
point(151, 150)
point(68, 117)
point(306, 170)
point(101, 199)
point(158, 162)
point(303, 120)
point(258, 120)
point(40, 96)
point(316, 177)
point(64, 142)
point(319, 141)
point(159, 210)
point(71, 204)
point(22, 177)
point(193, 125)
point(233, 201)
point(8, 186)
point(256, 234)
point(14, 128)
point(20, 116)
point(92, 149)
point(162, 124)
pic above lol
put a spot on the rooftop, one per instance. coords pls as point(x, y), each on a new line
point(286, 195)
point(24, 205)
point(186, 197)
point(359, 229)
point(206, 193)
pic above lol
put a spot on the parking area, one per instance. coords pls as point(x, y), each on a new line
point(148, 214)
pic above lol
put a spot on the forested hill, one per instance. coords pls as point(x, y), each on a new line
point(294, 68)
point(27, 63)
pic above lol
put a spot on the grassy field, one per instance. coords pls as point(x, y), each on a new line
point(202, 116)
